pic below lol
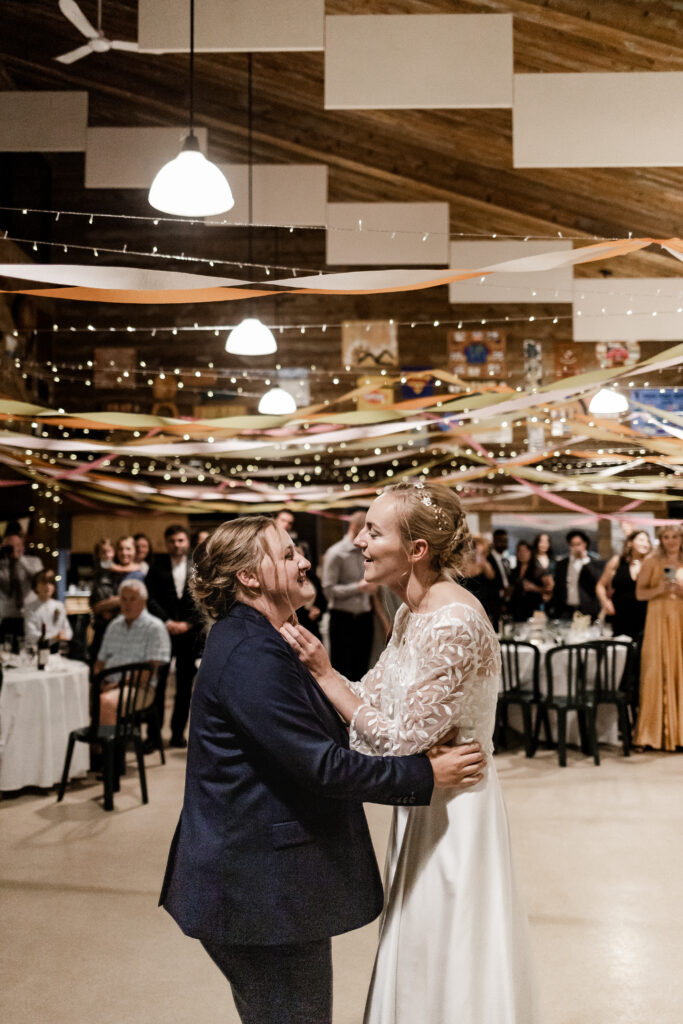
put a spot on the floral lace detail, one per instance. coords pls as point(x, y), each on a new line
point(440, 671)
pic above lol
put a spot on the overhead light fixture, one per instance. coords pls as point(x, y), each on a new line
point(277, 402)
point(251, 338)
point(190, 185)
point(608, 402)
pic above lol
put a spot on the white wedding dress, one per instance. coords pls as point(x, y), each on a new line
point(453, 946)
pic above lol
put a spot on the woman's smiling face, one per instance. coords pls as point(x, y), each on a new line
point(386, 561)
point(283, 571)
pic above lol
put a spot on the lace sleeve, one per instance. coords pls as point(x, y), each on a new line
point(418, 696)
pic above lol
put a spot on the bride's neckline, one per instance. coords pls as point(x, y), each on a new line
point(451, 604)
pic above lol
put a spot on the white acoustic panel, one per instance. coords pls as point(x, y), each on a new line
point(283, 194)
point(43, 122)
point(394, 234)
point(628, 309)
point(539, 286)
point(415, 60)
point(599, 120)
point(131, 157)
point(228, 27)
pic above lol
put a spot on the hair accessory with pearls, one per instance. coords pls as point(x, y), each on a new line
point(426, 499)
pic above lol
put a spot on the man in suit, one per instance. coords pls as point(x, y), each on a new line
point(575, 580)
point(497, 590)
point(170, 599)
point(272, 854)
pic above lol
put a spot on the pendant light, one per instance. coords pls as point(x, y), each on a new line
point(277, 402)
point(251, 337)
point(607, 402)
point(190, 185)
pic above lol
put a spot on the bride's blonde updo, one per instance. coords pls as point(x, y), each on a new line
point(236, 546)
point(433, 512)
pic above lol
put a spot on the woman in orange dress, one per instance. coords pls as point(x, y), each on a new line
point(660, 583)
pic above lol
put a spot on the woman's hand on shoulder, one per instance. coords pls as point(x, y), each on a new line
point(309, 649)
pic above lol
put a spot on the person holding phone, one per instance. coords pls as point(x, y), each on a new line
point(660, 583)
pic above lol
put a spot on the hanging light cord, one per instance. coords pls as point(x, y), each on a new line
point(192, 67)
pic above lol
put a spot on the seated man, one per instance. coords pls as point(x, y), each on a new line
point(134, 635)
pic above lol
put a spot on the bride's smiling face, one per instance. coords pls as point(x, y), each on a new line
point(386, 561)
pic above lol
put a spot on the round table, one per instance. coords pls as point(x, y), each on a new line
point(38, 710)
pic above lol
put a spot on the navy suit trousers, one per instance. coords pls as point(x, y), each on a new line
point(288, 984)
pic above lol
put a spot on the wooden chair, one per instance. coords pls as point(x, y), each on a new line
point(136, 695)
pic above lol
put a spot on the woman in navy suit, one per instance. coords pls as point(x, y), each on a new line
point(272, 853)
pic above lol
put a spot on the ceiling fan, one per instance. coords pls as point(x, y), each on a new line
point(97, 41)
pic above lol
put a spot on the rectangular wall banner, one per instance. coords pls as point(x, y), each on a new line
point(477, 354)
point(617, 353)
point(381, 395)
point(369, 343)
point(569, 359)
point(533, 363)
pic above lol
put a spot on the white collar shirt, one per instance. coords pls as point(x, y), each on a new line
point(179, 570)
point(574, 567)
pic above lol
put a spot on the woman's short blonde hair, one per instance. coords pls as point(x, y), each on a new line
point(236, 546)
point(432, 512)
point(672, 527)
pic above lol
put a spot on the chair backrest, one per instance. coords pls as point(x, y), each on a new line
point(520, 665)
point(572, 664)
point(136, 694)
point(613, 668)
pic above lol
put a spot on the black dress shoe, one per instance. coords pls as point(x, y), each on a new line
point(149, 746)
point(178, 741)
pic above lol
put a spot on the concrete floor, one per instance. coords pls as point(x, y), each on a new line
point(598, 851)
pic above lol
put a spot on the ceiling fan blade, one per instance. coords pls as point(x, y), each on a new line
point(72, 11)
point(120, 44)
point(72, 55)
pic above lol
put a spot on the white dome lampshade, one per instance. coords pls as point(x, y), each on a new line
point(251, 338)
point(190, 185)
point(277, 402)
point(607, 402)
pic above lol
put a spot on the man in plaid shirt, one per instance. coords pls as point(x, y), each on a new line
point(134, 635)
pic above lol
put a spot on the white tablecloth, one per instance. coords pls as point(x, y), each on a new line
point(607, 722)
point(38, 710)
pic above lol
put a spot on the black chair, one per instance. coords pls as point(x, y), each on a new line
point(572, 662)
point(614, 681)
point(519, 689)
point(136, 694)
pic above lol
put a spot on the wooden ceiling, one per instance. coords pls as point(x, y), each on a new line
point(462, 157)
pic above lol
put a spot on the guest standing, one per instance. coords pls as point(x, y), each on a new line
point(479, 576)
point(575, 580)
point(616, 588)
point(17, 570)
point(660, 583)
point(499, 590)
point(170, 598)
point(542, 552)
point(531, 585)
point(143, 551)
point(349, 602)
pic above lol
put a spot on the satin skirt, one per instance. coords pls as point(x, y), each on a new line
point(454, 945)
point(660, 717)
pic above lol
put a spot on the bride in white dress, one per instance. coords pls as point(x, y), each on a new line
point(453, 946)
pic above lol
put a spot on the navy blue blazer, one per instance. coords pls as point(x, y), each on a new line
point(272, 845)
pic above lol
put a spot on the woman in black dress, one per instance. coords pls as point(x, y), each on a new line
point(616, 588)
point(531, 584)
